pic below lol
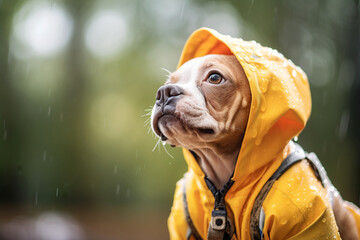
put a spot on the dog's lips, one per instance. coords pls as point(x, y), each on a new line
point(162, 130)
point(161, 123)
point(157, 121)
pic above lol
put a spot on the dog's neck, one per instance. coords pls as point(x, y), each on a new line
point(217, 165)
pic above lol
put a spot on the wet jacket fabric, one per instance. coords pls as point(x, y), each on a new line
point(296, 206)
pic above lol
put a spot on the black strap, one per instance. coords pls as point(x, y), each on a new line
point(294, 157)
point(192, 229)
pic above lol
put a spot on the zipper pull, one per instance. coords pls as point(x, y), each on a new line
point(218, 219)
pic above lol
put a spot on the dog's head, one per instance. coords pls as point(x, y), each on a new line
point(206, 101)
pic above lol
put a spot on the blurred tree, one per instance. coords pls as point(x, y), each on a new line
point(11, 137)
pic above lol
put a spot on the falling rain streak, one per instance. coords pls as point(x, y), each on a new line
point(344, 124)
point(117, 189)
point(5, 132)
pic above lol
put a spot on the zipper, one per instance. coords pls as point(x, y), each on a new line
point(219, 215)
point(219, 195)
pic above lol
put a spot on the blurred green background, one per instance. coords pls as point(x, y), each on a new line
point(76, 77)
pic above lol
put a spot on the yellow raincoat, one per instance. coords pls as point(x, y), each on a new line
point(296, 206)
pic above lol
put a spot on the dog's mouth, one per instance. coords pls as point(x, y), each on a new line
point(206, 130)
point(163, 125)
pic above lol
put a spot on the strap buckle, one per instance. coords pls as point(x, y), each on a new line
point(218, 220)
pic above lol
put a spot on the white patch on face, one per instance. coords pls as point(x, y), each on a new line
point(193, 103)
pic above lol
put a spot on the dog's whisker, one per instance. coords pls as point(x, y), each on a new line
point(146, 114)
point(167, 71)
point(164, 143)
point(147, 121)
point(149, 129)
point(157, 143)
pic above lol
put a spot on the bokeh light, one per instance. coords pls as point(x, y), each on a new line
point(42, 28)
point(106, 34)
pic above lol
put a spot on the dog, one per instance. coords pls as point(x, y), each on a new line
point(233, 106)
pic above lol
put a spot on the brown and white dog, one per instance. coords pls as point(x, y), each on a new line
point(193, 110)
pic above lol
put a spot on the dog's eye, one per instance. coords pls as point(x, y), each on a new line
point(215, 78)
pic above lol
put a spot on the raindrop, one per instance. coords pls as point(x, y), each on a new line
point(254, 133)
point(61, 117)
point(252, 68)
point(138, 170)
point(57, 192)
point(49, 111)
point(182, 10)
point(44, 156)
point(163, 143)
point(263, 107)
point(36, 198)
point(115, 169)
point(49, 92)
point(296, 138)
point(283, 220)
point(117, 189)
point(5, 135)
point(128, 193)
point(344, 124)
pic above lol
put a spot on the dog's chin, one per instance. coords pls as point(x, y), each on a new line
point(176, 132)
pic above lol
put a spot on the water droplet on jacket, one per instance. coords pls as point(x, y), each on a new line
point(285, 64)
point(324, 220)
point(252, 68)
point(283, 220)
point(262, 72)
point(296, 138)
point(263, 108)
point(293, 73)
point(253, 133)
point(247, 59)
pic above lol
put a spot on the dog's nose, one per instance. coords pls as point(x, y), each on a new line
point(166, 93)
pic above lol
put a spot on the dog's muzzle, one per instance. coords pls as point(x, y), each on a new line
point(166, 99)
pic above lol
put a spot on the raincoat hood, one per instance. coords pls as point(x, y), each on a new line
point(281, 101)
